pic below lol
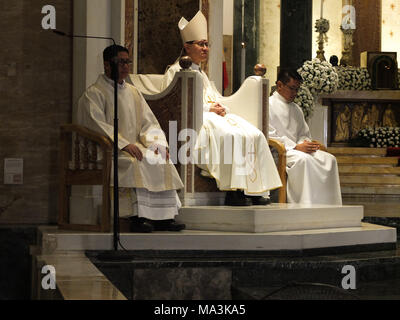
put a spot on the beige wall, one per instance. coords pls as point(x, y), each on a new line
point(35, 98)
point(391, 26)
point(333, 12)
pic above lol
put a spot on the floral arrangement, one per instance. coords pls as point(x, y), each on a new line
point(381, 137)
point(322, 25)
point(352, 78)
point(305, 100)
point(319, 76)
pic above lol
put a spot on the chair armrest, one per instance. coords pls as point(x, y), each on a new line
point(248, 101)
point(280, 148)
point(102, 140)
point(321, 146)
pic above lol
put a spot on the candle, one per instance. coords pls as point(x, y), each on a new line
point(243, 64)
point(322, 8)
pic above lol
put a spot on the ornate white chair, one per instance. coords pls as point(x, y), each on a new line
point(182, 101)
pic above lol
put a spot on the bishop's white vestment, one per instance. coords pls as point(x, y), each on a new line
point(312, 178)
point(232, 150)
point(147, 187)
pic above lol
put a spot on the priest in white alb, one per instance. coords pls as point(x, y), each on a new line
point(247, 176)
point(147, 178)
point(313, 176)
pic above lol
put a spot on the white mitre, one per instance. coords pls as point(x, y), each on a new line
point(196, 29)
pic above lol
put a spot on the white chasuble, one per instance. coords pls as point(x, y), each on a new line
point(136, 125)
point(312, 178)
point(233, 151)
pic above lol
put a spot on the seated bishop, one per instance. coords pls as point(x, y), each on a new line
point(313, 176)
point(147, 178)
point(232, 150)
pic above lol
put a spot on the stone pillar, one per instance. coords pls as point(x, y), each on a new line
point(215, 28)
point(296, 33)
point(249, 35)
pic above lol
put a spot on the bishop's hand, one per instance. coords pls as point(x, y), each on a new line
point(218, 109)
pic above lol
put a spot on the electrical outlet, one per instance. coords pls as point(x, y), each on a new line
point(13, 171)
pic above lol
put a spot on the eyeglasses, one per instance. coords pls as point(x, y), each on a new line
point(294, 89)
point(203, 44)
point(122, 62)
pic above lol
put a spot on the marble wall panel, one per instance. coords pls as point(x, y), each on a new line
point(35, 98)
point(159, 41)
point(367, 36)
point(296, 33)
point(182, 284)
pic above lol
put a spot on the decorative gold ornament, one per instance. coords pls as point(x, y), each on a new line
point(322, 27)
point(347, 53)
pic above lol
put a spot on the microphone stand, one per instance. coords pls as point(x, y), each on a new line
point(115, 77)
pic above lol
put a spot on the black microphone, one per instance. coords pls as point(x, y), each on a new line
point(61, 33)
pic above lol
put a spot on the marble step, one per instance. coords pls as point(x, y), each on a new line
point(375, 205)
point(272, 218)
point(371, 190)
point(337, 151)
point(351, 170)
point(386, 161)
point(370, 179)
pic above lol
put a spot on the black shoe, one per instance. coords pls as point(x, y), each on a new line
point(260, 201)
point(141, 225)
point(168, 225)
point(237, 198)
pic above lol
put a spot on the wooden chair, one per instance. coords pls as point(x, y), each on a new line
point(85, 159)
point(281, 165)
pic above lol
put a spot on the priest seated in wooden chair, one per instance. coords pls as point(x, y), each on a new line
point(148, 180)
point(244, 187)
point(312, 174)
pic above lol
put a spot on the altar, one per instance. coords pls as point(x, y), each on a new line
point(339, 116)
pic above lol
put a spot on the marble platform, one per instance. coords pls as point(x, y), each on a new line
point(256, 228)
point(261, 232)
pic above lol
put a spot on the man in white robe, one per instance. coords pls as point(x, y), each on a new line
point(148, 180)
point(254, 172)
point(313, 176)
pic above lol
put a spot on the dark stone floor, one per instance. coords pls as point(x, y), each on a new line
point(252, 276)
point(15, 261)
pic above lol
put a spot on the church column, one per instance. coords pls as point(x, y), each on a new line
point(296, 33)
point(215, 28)
point(104, 18)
